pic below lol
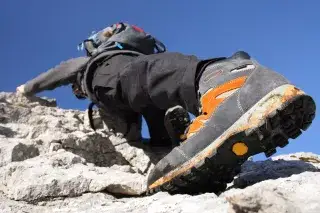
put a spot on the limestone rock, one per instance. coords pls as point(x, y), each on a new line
point(52, 161)
point(62, 174)
point(50, 128)
point(297, 194)
point(12, 150)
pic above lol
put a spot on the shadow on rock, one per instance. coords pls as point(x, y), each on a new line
point(95, 148)
point(254, 172)
point(22, 152)
point(7, 132)
point(155, 153)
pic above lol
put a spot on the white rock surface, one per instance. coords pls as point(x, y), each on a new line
point(297, 194)
point(12, 150)
point(63, 174)
point(51, 161)
point(49, 128)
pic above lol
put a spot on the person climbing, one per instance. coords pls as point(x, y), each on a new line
point(120, 43)
point(242, 108)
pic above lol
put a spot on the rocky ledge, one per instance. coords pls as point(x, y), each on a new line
point(51, 161)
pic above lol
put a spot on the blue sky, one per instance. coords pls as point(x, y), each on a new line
point(284, 35)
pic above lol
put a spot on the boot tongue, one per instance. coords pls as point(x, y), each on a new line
point(240, 54)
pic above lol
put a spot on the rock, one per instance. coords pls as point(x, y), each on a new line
point(52, 161)
point(141, 156)
point(55, 146)
point(301, 156)
point(278, 167)
point(135, 156)
point(64, 174)
point(296, 194)
point(39, 119)
point(9, 206)
point(6, 132)
point(12, 150)
point(89, 202)
point(21, 100)
point(124, 168)
point(99, 202)
point(94, 147)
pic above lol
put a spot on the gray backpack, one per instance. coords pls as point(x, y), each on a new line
point(122, 36)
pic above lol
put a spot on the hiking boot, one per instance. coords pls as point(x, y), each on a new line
point(246, 109)
point(176, 121)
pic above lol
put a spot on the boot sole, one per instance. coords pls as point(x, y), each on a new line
point(269, 124)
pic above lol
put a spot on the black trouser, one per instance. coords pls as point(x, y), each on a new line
point(148, 85)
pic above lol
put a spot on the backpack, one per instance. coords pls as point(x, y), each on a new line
point(122, 36)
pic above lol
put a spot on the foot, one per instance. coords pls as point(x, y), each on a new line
point(246, 109)
point(176, 121)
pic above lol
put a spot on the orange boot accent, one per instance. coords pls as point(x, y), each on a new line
point(211, 100)
point(240, 148)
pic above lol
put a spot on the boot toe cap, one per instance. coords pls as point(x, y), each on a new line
point(170, 162)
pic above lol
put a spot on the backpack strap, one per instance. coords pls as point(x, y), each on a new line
point(90, 113)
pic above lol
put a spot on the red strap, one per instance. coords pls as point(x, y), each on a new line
point(137, 29)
